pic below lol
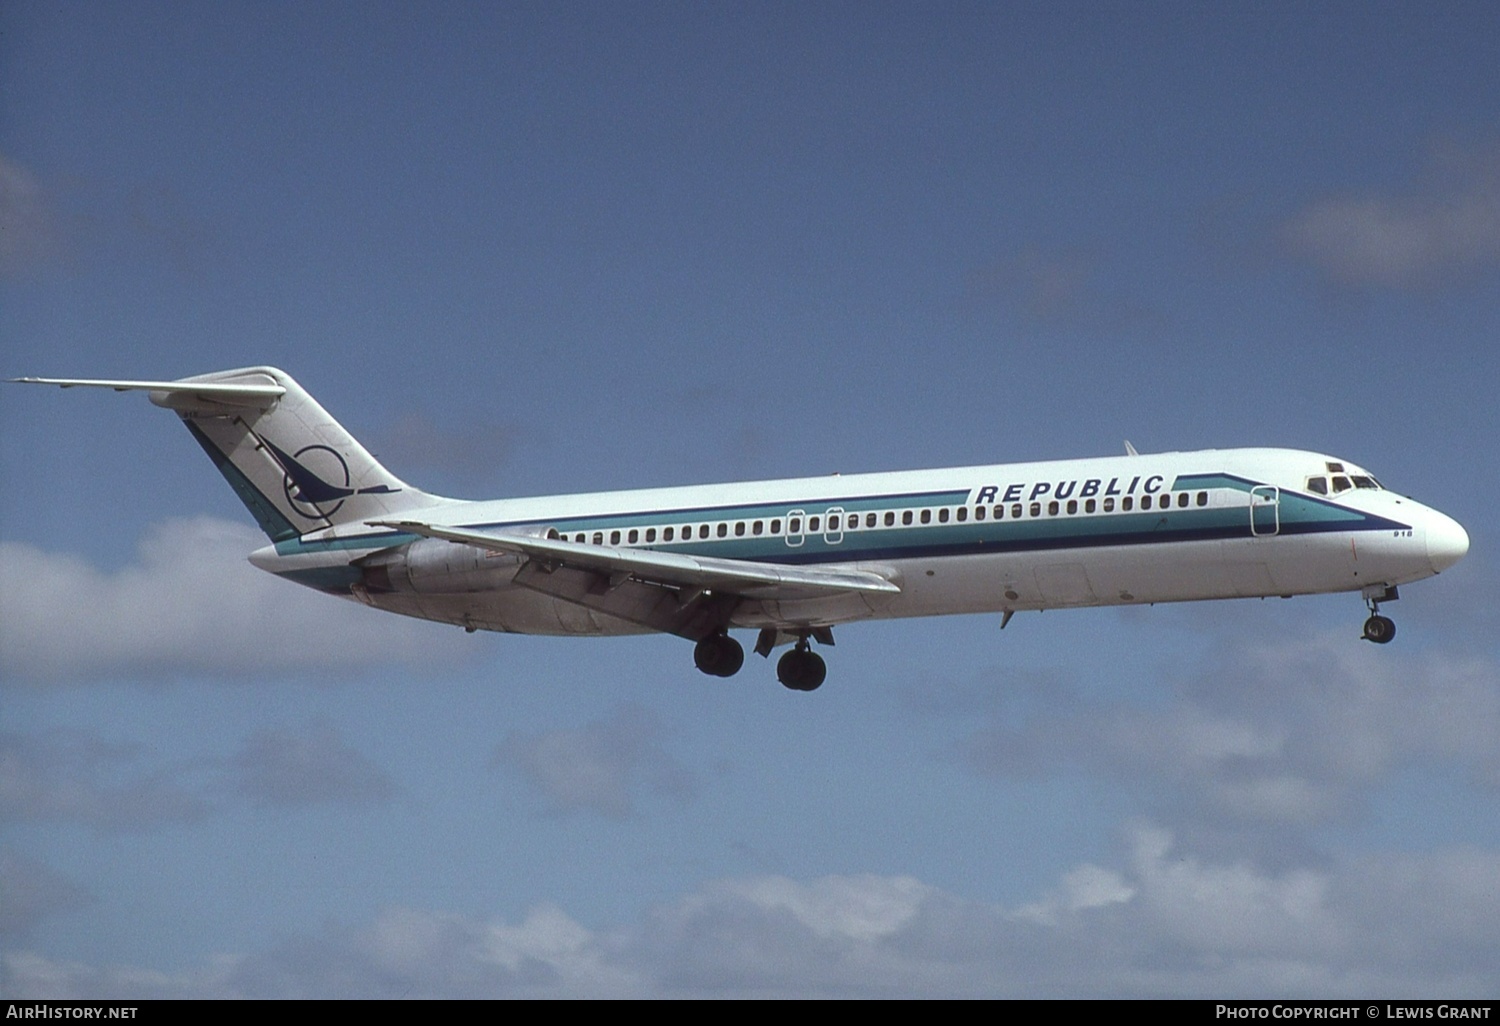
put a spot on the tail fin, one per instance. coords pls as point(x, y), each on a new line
point(293, 466)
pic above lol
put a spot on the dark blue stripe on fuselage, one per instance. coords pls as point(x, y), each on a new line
point(1309, 515)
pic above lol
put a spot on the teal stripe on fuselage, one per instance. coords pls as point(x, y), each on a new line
point(1298, 514)
point(674, 518)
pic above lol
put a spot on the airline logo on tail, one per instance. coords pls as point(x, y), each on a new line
point(317, 475)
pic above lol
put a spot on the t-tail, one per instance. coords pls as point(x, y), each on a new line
point(293, 466)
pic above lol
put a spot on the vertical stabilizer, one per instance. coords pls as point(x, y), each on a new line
point(293, 465)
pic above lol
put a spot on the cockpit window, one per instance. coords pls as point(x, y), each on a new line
point(1340, 483)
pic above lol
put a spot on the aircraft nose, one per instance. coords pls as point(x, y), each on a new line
point(1447, 541)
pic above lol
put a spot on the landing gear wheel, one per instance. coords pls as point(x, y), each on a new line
point(801, 669)
point(1380, 629)
point(719, 655)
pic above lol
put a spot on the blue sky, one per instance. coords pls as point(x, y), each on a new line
point(526, 249)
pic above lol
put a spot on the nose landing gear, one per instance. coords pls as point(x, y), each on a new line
point(1379, 629)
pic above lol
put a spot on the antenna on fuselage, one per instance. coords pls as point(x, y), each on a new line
point(1130, 449)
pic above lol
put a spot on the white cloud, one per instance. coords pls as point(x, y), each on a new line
point(1447, 227)
point(598, 767)
point(189, 604)
point(1164, 922)
point(1298, 734)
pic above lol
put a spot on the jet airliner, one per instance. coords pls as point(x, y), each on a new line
point(792, 559)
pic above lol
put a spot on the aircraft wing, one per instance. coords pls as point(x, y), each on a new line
point(615, 566)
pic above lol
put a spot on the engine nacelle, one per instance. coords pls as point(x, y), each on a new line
point(437, 567)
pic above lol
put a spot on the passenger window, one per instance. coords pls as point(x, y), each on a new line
point(870, 519)
point(739, 528)
point(943, 515)
point(614, 537)
point(1089, 506)
point(650, 535)
point(598, 538)
point(979, 512)
point(578, 538)
point(756, 528)
point(927, 516)
point(962, 513)
point(1182, 500)
point(1109, 505)
point(794, 525)
point(1015, 511)
point(1126, 504)
point(635, 536)
point(1052, 508)
point(1072, 506)
point(812, 524)
point(906, 516)
point(1203, 498)
point(890, 519)
point(723, 529)
point(1036, 509)
point(776, 527)
point(702, 530)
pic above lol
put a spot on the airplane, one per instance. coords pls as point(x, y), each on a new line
point(792, 559)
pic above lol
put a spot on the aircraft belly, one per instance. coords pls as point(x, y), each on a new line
point(509, 610)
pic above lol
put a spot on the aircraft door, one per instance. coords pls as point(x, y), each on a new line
point(794, 519)
point(1265, 510)
point(833, 529)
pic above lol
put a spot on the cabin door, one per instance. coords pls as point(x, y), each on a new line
point(1265, 510)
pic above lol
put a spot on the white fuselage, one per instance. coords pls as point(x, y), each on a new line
point(1108, 531)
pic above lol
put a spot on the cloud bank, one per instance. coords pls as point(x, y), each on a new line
point(189, 605)
point(1165, 921)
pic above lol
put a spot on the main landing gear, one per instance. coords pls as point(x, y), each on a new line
point(719, 655)
point(801, 669)
point(1379, 629)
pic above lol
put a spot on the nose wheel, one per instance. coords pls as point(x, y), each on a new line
point(1380, 629)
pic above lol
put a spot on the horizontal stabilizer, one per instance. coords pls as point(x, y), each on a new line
point(197, 394)
point(740, 577)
